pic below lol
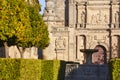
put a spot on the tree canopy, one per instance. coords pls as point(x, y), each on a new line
point(22, 25)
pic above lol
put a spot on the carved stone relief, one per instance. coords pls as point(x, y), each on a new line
point(80, 45)
point(61, 48)
point(89, 41)
point(50, 6)
point(115, 46)
point(116, 1)
point(81, 15)
point(99, 37)
point(96, 39)
point(60, 43)
point(117, 19)
point(82, 19)
point(99, 18)
point(57, 32)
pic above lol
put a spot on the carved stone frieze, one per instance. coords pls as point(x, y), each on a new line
point(100, 37)
point(116, 1)
point(57, 31)
point(60, 29)
point(64, 34)
point(98, 17)
point(115, 32)
point(85, 32)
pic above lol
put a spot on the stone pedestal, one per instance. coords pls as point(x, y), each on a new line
point(89, 53)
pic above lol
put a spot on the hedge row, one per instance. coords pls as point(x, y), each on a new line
point(29, 69)
point(115, 69)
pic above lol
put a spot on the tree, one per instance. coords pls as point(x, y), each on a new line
point(22, 25)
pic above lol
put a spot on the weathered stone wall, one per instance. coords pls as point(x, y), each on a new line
point(82, 24)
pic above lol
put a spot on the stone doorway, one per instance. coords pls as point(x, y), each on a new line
point(100, 56)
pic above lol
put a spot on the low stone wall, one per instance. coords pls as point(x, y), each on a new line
point(87, 72)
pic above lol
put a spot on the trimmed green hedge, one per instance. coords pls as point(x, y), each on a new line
point(31, 69)
point(9, 69)
point(54, 69)
point(115, 69)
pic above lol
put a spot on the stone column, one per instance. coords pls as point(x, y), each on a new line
point(72, 20)
point(115, 46)
point(71, 51)
point(80, 45)
point(72, 13)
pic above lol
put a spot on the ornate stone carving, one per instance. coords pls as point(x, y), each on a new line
point(115, 46)
point(82, 19)
point(99, 18)
point(97, 37)
point(116, 1)
point(59, 29)
point(117, 19)
point(50, 6)
point(60, 43)
point(80, 45)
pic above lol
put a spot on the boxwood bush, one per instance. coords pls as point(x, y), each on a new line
point(47, 70)
point(9, 69)
point(115, 69)
point(53, 70)
point(31, 69)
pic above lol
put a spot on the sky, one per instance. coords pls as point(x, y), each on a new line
point(42, 2)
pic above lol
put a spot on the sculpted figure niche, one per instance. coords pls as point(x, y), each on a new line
point(82, 19)
point(117, 19)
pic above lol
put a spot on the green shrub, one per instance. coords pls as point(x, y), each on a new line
point(53, 70)
point(115, 69)
point(59, 70)
point(9, 69)
point(31, 69)
point(47, 70)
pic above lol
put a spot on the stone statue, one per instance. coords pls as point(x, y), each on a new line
point(117, 18)
point(82, 19)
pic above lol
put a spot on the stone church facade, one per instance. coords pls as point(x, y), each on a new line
point(82, 24)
